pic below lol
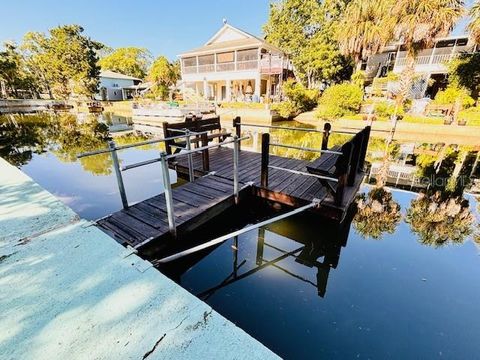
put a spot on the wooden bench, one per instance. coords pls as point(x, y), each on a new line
point(212, 126)
point(343, 165)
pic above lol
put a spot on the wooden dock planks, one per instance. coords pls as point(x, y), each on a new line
point(206, 197)
point(148, 219)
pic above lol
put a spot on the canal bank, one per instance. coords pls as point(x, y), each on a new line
point(70, 291)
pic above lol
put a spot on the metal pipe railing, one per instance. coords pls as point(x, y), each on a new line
point(297, 172)
point(163, 159)
point(221, 239)
point(297, 129)
point(142, 143)
point(168, 194)
point(306, 149)
point(118, 174)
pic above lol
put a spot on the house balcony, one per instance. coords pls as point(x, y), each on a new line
point(265, 66)
point(434, 63)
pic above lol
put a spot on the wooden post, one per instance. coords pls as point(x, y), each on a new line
point(168, 148)
point(356, 153)
point(343, 168)
point(237, 126)
point(205, 155)
point(326, 134)
point(265, 159)
point(366, 138)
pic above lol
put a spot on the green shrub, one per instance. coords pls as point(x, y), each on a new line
point(471, 116)
point(304, 99)
point(339, 100)
point(451, 94)
point(286, 109)
point(386, 109)
point(358, 78)
point(299, 99)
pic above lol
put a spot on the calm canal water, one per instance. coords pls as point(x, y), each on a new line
point(398, 280)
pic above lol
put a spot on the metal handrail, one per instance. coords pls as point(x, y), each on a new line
point(142, 143)
point(187, 152)
point(303, 173)
point(171, 156)
point(298, 129)
point(307, 149)
point(221, 239)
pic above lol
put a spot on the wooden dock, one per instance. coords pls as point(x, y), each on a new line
point(332, 181)
point(194, 204)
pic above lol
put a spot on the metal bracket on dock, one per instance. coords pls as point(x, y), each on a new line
point(128, 251)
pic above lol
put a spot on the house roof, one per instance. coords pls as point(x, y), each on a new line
point(230, 38)
point(115, 75)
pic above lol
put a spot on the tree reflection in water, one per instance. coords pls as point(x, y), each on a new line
point(440, 220)
point(377, 213)
point(63, 135)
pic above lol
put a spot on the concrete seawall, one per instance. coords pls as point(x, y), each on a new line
point(69, 291)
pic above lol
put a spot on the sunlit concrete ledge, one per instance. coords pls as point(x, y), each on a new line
point(69, 291)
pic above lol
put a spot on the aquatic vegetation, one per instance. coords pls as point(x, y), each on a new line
point(378, 213)
point(440, 221)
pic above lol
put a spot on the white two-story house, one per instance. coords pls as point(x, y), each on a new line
point(431, 64)
point(234, 65)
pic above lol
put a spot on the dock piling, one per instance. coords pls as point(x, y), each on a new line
point(326, 134)
point(265, 159)
point(236, 149)
point(118, 173)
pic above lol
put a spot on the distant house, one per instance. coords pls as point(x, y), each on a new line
point(234, 65)
point(116, 86)
point(430, 64)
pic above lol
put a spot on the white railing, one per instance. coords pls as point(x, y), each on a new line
point(190, 69)
point(247, 65)
point(228, 66)
point(428, 59)
point(206, 68)
point(274, 65)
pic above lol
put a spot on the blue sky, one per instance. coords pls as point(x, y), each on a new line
point(163, 27)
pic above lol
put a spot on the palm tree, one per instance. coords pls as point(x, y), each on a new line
point(474, 25)
point(365, 28)
point(419, 22)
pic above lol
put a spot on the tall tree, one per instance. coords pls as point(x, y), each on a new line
point(474, 25)
point(130, 61)
point(418, 23)
point(304, 30)
point(366, 26)
point(14, 74)
point(66, 60)
point(164, 74)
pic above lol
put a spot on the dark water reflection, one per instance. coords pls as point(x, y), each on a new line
point(310, 289)
point(45, 146)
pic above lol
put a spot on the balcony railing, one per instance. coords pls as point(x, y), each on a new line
point(228, 66)
point(275, 65)
point(428, 59)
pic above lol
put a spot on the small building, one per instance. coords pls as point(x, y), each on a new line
point(234, 65)
point(115, 86)
point(430, 64)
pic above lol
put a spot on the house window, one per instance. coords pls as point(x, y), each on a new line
point(246, 55)
point(225, 57)
point(190, 61)
point(206, 59)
